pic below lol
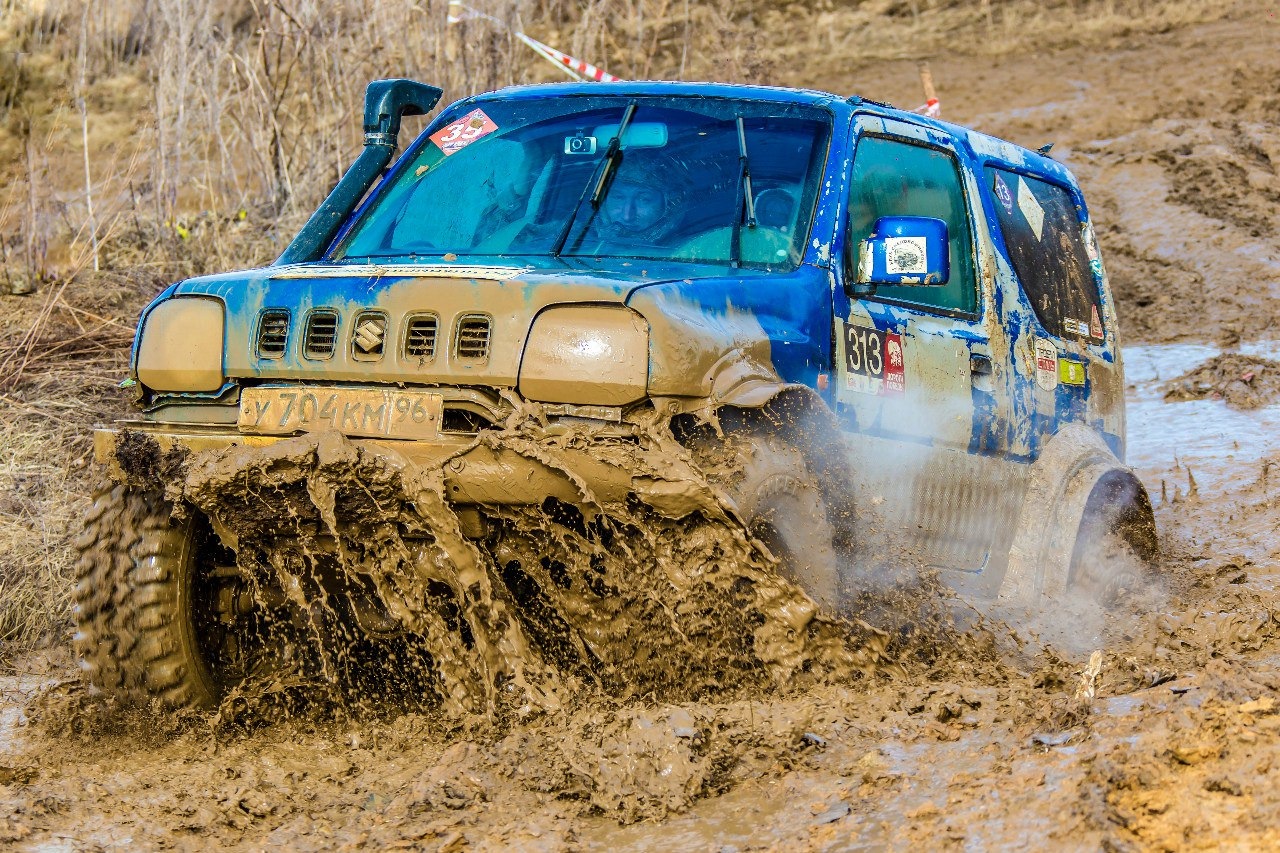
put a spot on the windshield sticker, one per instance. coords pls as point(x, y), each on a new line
point(454, 137)
point(1046, 365)
point(1002, 193)
point(1030, 207)
point(1095, 324)
point(905, 256)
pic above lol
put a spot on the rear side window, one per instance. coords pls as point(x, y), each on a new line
point(1046, 241)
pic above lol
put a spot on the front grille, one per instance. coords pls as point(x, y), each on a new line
point(369, 336)
point(420, 337)
point(273, 333)
point(473, 338)
point(322, 334)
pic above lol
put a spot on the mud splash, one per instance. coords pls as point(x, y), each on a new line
point(495, 612)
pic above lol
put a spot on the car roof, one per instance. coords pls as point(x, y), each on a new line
point(984, 146)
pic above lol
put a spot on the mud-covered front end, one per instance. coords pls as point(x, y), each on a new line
point(421, 360)
point(470, 466)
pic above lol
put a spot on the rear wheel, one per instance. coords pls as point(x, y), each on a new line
point(142, 598)
point(1116, 545)
point(769, 481)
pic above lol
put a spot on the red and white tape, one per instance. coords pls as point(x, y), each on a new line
point(576, 68)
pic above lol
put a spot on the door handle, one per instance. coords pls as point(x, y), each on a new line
point(979, 365)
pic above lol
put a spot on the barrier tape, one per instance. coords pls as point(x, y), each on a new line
point(576, 68)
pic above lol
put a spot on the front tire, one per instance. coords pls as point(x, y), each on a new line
point(783, 507)
point(140, 586)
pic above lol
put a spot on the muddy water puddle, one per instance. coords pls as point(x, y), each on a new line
point(1216, 443)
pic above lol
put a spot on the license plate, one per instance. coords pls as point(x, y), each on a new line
point(373, 412)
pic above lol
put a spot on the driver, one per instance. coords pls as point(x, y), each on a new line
point(633, 207)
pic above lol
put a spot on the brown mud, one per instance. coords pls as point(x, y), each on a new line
point(1162, 734)
point(1243, 381)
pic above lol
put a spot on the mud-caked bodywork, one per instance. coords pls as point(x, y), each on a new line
point(913, 313)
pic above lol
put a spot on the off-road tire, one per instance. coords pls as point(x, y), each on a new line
point(783, 507)
point(135, 633)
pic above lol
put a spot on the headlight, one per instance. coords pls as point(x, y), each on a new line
point(181, 347)
point(590, 355)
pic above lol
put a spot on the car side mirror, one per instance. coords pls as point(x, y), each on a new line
point(904, 250)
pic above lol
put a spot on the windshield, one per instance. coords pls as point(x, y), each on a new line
point(526, 177)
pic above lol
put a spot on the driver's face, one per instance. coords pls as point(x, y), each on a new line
point(635, 207)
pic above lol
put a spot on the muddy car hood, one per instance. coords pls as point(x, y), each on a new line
point(508, 295)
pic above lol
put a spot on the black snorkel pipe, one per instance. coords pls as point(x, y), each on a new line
point(385, 103)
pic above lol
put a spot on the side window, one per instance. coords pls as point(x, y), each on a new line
point(892, 178)
point(1045, 237)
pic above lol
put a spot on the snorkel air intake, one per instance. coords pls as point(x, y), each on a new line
point(385, 103)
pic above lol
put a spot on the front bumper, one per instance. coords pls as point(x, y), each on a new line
point(475, 472)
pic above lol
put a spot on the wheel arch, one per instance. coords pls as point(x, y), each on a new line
point(1075, 485)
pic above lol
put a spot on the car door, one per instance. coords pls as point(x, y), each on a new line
point(916, 383)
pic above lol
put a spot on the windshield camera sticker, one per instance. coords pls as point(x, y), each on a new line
point(1095, 324)
point(895, 369)
point(905, 256)
point(1030, 207)
point(1046, 365)
point(454, 137)
point(1002, 193)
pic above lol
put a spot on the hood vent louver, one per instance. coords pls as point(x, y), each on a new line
point(472, 343)
point(273, 333)
point(420, 337)
point(321, 336)
point(369, 338)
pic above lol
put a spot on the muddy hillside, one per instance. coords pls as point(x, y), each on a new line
point(712, 706)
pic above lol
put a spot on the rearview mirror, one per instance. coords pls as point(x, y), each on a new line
point(911, 250)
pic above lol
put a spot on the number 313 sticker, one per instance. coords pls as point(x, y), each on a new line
point(454, 137)
point(873, 361)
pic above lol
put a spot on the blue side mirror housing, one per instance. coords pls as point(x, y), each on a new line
point(911, 250)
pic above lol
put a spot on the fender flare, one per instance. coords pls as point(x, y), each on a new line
point(1074, 477)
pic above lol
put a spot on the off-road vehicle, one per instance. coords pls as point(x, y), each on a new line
point(901, 330)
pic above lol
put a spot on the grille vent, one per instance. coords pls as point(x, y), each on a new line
point(322, 334)
point(273, 333)
point(473, 338)
point(420, 337)
point(369, 338)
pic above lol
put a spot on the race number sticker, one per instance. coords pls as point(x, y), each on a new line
point(454, 137)
point(873, 361)
point(1002, 193)
point(1046, 365)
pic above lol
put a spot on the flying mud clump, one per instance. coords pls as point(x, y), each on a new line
point(363, 573)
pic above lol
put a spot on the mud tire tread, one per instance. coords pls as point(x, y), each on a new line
point(771, 476)
point(129, 611)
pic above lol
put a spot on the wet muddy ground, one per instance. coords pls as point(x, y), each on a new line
point(1157, 727)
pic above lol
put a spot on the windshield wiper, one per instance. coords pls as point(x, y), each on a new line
point(746, 208)
point(598, 185)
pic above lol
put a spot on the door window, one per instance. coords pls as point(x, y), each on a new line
point(1047, 246)
point(892, 178)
